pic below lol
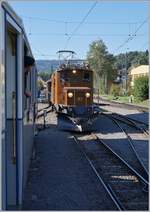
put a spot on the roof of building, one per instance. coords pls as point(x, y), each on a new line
point(142, 69)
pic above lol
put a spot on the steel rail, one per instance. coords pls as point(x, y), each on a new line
point(132, 120)
point(133, 148)
point(124, 105)
point(133, 123)
point(107, 187)
point(42, 114)
point(145, 131)
point(123, 161)
point(144, 179)
point(128, 122)
point(44, 108)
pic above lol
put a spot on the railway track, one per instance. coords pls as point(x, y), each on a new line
point(114, 103)
point(44, 108)
point(41, 112)
point(124, 185)
point(132, 147)
point(139, 125)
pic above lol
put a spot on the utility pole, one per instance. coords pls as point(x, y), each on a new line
point(44, 116)
point(126, 69)
point(126, 72)
point(98, 95)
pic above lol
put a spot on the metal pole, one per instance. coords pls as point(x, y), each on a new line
point(98, 95)
point(45, 113)
point(14, 126)
point(126, 73)
point(74, 100)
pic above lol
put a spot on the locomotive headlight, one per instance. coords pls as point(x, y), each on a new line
point(87, 95)
point(70, 94)
point(74, 71)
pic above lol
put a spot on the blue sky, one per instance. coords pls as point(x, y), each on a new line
point(47, 24)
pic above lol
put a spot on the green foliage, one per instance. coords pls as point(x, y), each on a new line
point(102, 63)
point(130, 90)
point(98, 83)
point(141, 88)
point(40, 85)
point(44, 75)
point(133, 58)
point(115, 90)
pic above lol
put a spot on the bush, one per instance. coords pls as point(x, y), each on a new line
point(115, 90)
point(130, 91)
point(141, 88)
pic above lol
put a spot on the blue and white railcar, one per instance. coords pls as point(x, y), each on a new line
point(17, 107)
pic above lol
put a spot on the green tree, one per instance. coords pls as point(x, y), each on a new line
point(141, 88)
point(132, 58)
point(115, 90)
point(40, 85)
point(102, 63)
point(44, 75)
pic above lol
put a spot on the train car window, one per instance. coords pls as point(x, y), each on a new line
point(25, 87)
point(10, 71)
point(86, 76)
point(13, 42)
point(27, 90)
point(28, 64)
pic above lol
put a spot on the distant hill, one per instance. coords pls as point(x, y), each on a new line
point(49, 65)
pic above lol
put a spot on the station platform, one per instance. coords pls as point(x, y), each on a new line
point(60, 178)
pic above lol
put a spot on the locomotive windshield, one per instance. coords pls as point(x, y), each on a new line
point(75, 75)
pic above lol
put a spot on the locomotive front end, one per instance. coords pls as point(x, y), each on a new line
point(77, 99)
point(72, 95)
point(78, 96)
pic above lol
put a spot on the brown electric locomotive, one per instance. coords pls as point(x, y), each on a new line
point(72, 90)
point(72, 86)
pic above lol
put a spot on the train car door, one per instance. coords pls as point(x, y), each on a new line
point(2, 110)
point(13, 112)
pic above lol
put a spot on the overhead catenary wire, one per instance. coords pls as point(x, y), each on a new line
point(132, 36)
point(39, 53)
point(145, 45)
point(82, 21)
point(88, 34)
point(70, 35)
point(77, 22)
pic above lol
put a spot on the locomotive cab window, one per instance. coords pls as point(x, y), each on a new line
point(86, 77)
